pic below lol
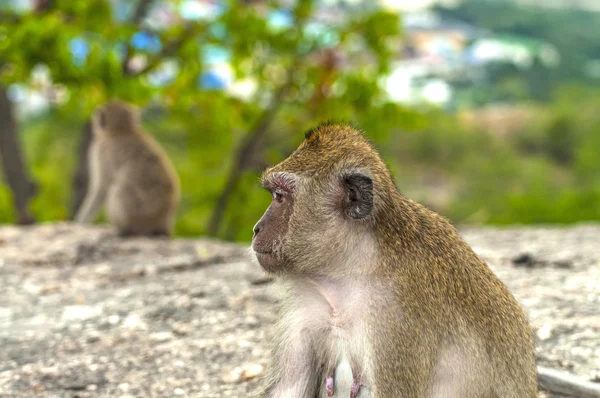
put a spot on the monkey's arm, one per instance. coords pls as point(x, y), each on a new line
point(294, 372)
point(97, 190)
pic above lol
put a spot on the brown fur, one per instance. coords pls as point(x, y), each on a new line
point(432, 306)
point(131, 173)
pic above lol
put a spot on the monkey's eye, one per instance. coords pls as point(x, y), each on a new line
point(277, 196)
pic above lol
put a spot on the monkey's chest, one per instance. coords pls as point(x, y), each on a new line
point(345, 358)
point(333, 317)
point(343, 335)
point(341, 344)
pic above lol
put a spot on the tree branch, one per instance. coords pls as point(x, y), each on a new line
point(563, 383)
point(250, 142)
point(140, 13)
point(167, 50)
point(13, 163)
point(41, 6)
point(248, 149)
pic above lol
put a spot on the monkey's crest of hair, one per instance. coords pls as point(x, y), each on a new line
point(333, 146)
point(330, 131)
point(336, 138)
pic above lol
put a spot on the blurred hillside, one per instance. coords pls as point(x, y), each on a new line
point(486, 110)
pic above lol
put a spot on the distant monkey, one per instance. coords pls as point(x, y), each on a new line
point(130, 173)
point(383, 297)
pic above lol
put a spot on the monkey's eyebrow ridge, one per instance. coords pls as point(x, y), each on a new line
point(280, 180)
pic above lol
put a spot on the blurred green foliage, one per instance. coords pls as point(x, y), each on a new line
point(548, 172)
point(493, 180)
point(200, 128)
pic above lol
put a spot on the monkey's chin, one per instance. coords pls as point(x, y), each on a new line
point(268, 261)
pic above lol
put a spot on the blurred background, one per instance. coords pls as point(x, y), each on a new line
point(487, 111)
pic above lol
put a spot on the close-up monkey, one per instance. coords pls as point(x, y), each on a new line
point(129, 172)
point(383, 298)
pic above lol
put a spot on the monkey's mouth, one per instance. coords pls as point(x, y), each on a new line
point(267, 259)
point(264, 254)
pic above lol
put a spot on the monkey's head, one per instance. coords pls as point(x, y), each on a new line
point(115, 118)
point(326, 198)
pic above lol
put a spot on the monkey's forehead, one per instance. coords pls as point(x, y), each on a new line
point(330, 132)
point(118, 109)
point(330, 147)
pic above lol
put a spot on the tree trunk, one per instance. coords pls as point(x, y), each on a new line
point(247, 151)
point(81, 177)
point(245, 157)
point(22, 187)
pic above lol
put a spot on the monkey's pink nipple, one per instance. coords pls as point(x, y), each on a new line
point(354, 390)
point(329, 386)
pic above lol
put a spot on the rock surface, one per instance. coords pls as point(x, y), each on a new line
point(86, 314)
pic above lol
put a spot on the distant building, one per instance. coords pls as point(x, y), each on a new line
point(412, 5)
point(439, 52)
point(432, 55)
point(429, 35)
point(418, 81)
point(519, 51)
point(589, 5)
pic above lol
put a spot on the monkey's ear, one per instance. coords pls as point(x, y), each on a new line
point(358, 200)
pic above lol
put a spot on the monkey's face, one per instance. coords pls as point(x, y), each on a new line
point(312, 223)
point(271, 230)
point(115, 118)
point(325, 203)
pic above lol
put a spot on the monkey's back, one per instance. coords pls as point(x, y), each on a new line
point(144, 192)
point(464, 317)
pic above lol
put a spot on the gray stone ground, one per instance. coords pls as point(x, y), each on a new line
point(85, 314)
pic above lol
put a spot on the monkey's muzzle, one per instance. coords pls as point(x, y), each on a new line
point(267, 259)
